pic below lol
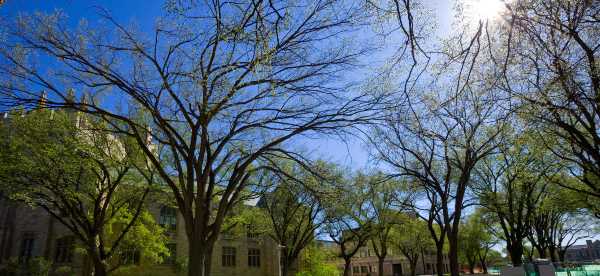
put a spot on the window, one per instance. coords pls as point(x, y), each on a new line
point(363, 269)
point(355, 269)
point(130, 256)
point(168, 217)
point(64, 250)
point(254, 257)
point(27, 245)
point(228, 258)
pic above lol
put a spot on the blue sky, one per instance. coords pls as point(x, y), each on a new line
point(143, 12)
point(351, 153)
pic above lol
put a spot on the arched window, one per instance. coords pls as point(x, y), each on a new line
point(168, 217)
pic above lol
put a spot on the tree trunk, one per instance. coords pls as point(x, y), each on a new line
point(516, 254)
point(99, 267)
point(483, 265)
point(95, 253)
point(439, 259)
point(541, 252)
point(380, 265)
point(561, 255)
point(453, 253)
point(347, 267)
point(413, 267)
point(285, 267)
point(471, 267)
point(552, 253)
point(199, 257)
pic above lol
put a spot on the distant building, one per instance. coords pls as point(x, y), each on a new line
point(588, 252)
point(365, 262)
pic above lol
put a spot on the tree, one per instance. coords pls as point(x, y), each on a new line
point(145, 237)
point(221, 86)
point(412, 239)
point(511, 186)
point(475, 242)
point(92, 182)
point(436, 145)
point(315, 260)
point(551, 65)
point(295, 210)
point(385, 200)
point(348, 223)
point(559, 222)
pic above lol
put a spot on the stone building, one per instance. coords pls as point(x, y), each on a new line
point(588, 252)
point(366, 263)
point(27, 233)
point(395, 264)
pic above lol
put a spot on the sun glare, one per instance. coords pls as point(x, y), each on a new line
point(484, 9)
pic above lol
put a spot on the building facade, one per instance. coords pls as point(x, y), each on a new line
point(588, 252)
point(366, 263)
point(27, 233)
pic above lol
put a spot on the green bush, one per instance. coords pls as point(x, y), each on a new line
point(37, 266)
point(64, 271)
point(142, 270)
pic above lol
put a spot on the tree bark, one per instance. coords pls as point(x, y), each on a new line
point(552, 253)
point(412, 258)
point(199, 256)
point(285, 267)
point(347, 267)
point(99, 267)
point(484, 267)
point(453, 253)
point(561, 255)
point(516, 254)
point(97, 257)
point(440, 259)
point(380, 265)
point(541, 252)
point(413, 267)
point(482, 262)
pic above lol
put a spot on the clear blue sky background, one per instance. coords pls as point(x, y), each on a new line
point(143, 12)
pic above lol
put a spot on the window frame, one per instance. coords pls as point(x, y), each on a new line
point(167, 217)
point(228, 256)
point(27, 247)
point(253, 257)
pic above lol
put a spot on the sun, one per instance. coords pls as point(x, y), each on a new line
point(484, 9)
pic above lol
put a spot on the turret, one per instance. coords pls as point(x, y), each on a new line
point(43, 100)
